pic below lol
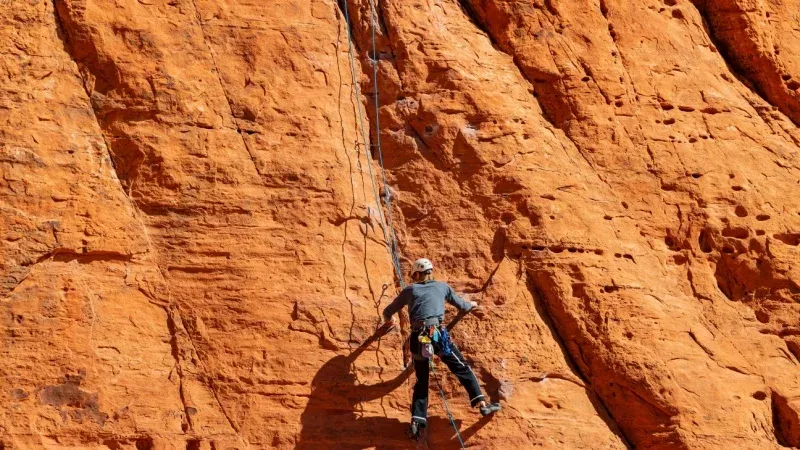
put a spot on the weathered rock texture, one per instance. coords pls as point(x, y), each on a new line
point(193, 243)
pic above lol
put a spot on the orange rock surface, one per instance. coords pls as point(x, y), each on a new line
point(193, 238)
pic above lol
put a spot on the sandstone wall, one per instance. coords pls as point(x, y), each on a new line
point(194, 249)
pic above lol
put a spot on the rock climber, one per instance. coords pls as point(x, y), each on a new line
point(425, 300)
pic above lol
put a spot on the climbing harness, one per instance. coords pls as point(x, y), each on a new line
point(426, 346)
point(391, 236)
point(445, 342)
point(435, 335)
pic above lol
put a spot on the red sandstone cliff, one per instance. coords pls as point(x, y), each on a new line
point(192, 253)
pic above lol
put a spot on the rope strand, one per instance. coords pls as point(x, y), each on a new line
point(391, 237)
point(391, 240)
point(446, 406)
point(386, 191)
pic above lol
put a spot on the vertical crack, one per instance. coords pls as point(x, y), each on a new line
point(785, 421)
point(176, 354)
point(64, 36)
point(215, 67)
point(552, 117)
point(765, 84)
point(469, 10)
point(542, 307)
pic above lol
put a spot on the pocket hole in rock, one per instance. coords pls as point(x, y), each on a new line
point(704, 241)
point(736, 233)
point(788, 238)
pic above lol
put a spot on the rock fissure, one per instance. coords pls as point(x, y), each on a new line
point(223, 89)
point(542, 306)
point(176, 354)
point(743, 41)
point(469, 10)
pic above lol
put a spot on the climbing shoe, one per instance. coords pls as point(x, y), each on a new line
point(490, 408)
point(416, 429)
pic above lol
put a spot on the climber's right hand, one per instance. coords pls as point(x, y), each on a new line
point(389, 324)
point(477, 310)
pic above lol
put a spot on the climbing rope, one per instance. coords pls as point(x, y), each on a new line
point(446, 405)
point(386, 191)
point(390, 237)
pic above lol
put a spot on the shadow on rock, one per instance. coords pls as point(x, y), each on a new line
point(442, 437)
point(332, 418)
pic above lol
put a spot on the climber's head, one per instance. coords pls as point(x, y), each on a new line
point(422, 270)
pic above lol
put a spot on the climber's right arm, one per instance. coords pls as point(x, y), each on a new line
point(393, 308)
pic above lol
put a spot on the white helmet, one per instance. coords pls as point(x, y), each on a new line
point(422, 265)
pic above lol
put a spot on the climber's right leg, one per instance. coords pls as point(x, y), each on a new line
point(419, 399)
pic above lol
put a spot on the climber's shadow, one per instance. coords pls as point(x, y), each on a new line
point(332, 419)
point(444, 438)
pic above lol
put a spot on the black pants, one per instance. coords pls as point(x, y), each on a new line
point(455, 362)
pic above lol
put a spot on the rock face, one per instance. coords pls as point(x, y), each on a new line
point(194, 227)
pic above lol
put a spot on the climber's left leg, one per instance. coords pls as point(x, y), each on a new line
point(455, 362)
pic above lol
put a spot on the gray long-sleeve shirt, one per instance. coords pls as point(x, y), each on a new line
point(425, 302)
